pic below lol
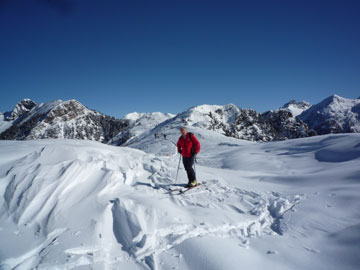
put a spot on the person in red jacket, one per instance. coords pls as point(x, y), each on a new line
point(188, 146)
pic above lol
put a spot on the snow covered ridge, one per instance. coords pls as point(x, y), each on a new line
point(62, 119)
point(334, 114)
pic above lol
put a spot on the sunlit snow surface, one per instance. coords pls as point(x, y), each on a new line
point(68, 204)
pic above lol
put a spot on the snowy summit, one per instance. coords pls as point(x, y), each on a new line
point(296, 108)
point(334, 114)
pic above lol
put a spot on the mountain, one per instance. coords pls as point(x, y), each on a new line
point(60, 119)
point(220, 120)
point(246, 124)
point(295, 107)
point(259, 206)
point(20, 109)
point(334, 114)
point(71, 119)
point(139, 123)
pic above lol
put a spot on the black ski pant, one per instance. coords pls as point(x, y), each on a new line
point(188, 164)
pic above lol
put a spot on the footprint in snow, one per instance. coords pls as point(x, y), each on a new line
point(312, 250)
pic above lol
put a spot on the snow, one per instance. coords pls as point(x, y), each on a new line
point(70, 204)
point(334, 114)
point(4, 124)
point(296, 108)
point(143, 122)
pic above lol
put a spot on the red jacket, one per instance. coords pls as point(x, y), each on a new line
point(184, 145)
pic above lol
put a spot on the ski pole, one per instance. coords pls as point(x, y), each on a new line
point(194, 165)
point(178, 169)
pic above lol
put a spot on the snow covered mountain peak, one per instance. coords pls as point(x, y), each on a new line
point(295, 107)
point(333, 100)
point(21, 108)
point(156, 116)
point(139, 123)
point(206, 108)
point(209, 116)
point(67, 110)
point(334, 114)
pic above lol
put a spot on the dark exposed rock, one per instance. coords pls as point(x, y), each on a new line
point(250, 125)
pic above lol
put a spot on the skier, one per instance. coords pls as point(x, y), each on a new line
point(188, 146)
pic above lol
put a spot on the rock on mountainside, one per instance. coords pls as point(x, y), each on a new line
point(247, 124)
point(334, 114)
point(296, 108)
point(62, 119)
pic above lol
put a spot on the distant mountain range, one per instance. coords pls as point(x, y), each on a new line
point(72, 120)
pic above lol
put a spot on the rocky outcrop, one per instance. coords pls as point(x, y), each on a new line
point(269, 126)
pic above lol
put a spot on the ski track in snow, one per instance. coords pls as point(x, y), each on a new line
point(85, 204)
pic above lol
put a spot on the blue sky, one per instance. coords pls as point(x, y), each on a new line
point(123, 56)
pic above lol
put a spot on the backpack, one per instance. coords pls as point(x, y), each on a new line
point(193, 145)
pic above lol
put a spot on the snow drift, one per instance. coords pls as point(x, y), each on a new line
point(68, 204)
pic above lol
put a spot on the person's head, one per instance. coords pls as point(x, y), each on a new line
point(183, 131)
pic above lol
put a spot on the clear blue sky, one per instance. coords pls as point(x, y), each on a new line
point(123, 56)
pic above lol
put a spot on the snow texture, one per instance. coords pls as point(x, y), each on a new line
point(71, 204)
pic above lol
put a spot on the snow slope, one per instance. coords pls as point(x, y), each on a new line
point(68, 204)
point(4, 124)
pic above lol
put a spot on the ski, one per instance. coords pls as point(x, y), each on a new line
point(183, 190)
